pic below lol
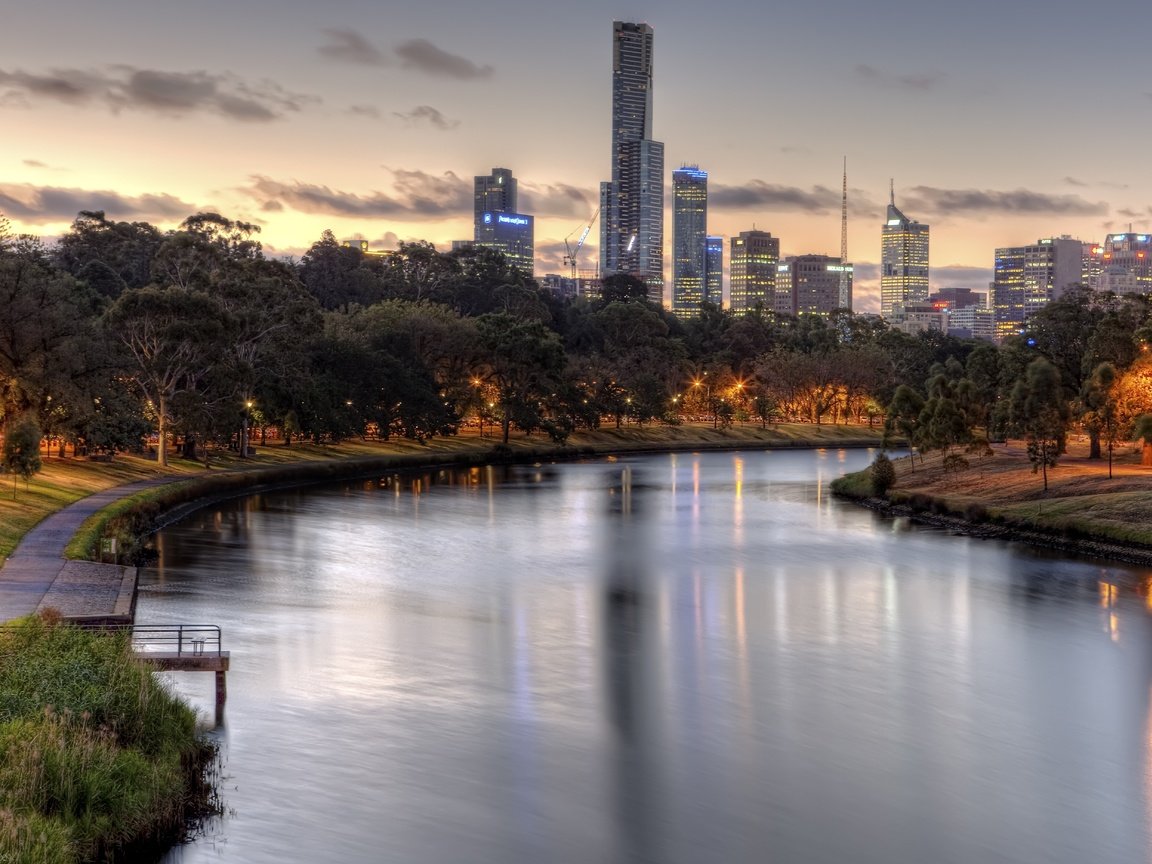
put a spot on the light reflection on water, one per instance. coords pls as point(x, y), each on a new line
point(673, 658)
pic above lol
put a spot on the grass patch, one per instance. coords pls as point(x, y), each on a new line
point(95, 753)
point(858, 484)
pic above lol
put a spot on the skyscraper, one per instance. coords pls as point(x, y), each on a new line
point(714, 270)
point(752, 271)
point(689, 232)
point(903, 262)
point(497, 225)
point(632, 202)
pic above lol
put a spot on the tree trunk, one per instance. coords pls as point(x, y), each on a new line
point(1146, 454)
point(1093, 443)
point(162, 434)
point(506, 425)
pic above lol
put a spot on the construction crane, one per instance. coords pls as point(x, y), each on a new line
point(572, 253)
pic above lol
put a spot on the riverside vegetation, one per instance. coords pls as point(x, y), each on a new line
point(96, 756)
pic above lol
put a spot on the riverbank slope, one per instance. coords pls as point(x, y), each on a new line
point(1083, 510)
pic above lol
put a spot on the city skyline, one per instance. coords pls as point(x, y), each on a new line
point(376, 132)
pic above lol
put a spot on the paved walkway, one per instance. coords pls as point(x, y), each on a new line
point(85, 589)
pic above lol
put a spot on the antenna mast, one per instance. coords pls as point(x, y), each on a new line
point(845, 301)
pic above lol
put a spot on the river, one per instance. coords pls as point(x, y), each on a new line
point(667, 658)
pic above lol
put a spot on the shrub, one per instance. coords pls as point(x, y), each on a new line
point(883, 475)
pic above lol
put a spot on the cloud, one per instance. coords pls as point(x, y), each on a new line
point(983, 202)
point(37, 205)
point(422, 55)
point(1129, 213)
point(426, 115)
point(369, 111)
point(416, 194)
point(557, 199)
point(756, 194)
point(348, 46)
point(173, 94)
point(917, 82)
point(772, 197)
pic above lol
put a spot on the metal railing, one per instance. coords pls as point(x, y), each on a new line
point(183, 640)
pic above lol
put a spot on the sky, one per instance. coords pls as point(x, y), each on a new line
point(998, 123)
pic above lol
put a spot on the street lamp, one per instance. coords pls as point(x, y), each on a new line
point(244, 430)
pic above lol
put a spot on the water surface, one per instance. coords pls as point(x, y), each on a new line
point(671, 658)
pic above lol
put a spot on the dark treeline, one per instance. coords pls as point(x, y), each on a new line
point(120, 331)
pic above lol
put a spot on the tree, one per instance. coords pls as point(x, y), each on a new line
point(1040, 413)
point(22, 451)
point(525, 361)
point(904, 418)
point(1142, 431)
point(1098, 410)
point(175, 339)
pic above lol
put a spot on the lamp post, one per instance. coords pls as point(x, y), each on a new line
point(244, 430)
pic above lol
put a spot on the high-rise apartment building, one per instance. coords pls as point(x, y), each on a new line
point(714, 270)
point(903, 262)
point(752, 264)
point(1026, 278)
point(810, 285)
point(689, 233)
point(498, 225)
point(632, 202)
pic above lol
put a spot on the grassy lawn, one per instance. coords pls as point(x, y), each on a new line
point(63, 481)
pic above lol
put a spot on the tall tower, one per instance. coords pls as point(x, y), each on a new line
point(845, 280)
point(903, 262)
point(689, 230)
point(632, 202)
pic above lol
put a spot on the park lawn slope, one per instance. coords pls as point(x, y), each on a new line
point(1081, 502)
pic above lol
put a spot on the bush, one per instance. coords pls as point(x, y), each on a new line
point(883, 475)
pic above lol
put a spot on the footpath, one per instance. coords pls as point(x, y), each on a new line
point(36, 575)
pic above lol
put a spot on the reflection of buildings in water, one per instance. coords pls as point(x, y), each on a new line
point(628, 689)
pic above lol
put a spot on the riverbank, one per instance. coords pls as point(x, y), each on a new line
point(64, 481)
point(1083, 511)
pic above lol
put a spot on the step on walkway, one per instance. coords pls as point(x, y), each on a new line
point(37, 576)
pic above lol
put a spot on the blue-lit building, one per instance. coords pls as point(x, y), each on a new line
point(512, 234)
point(714, 270)
point(689, 234)
point(497, 225)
